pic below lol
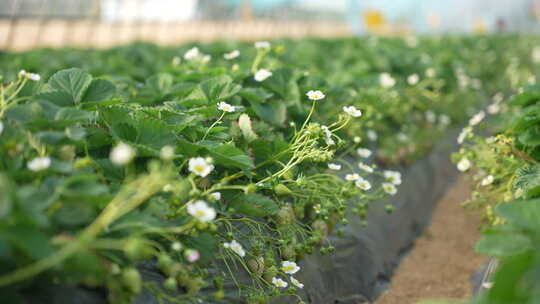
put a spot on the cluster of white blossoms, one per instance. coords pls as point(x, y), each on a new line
point(336, 167)
point(328, 136)
point(262, 45)
point(262, 75)
point(464, 134)
point(289, 268)
point(365, 167)
point(225, 107)
point(31, 76)
point(122, 154)
point(363, 184)
point(315, 95)
point(39, 164)
point(232, 55)
point(393, 177)
point(236, 247)
point(194, 54)
point(363, 152)
point(488, 180)
point(477, 118)
point(386, 81)
point(201, 211)
point(464, 164)
point(413, 79)
point(353, 111)
point(200, 166)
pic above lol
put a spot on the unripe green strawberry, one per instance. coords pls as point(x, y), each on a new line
point(194, 285)
point(82, 162)
point(282, 190)
point(288, 253)
point(256, 265)
point(132, 280)
point(137, 249)
point(250, 189)
point(285, 215)
point(165, 263)
point(269, 273)
point(220, 294)
point(320, 227)
point(300, 210)
point(170, 284)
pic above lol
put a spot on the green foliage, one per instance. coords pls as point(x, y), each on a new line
point(140, 164)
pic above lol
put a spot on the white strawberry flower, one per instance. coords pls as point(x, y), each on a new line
point(353, 111)
point(477, 118)
point(363, 152)
point(289, 267)
point(192, 54)
point(413, 79)
point(357, 139)
point(317, 208)
point(431, 72)
point(393, 177)
point(352, 177)
point(402, 137)
point(225, 107)
point(488, 180)
point(176, 246)
point(206, 58)
point(262, 45)
point(166, 152)
point(262, 75)
point(389, 188)
point(363, 184)
point(386, 80)
point(215, 196)
point(494, 108)
point(200, 166)
point(536, 54)
point(279, 282)
point(372, 135)
point(464, 164)
point(445, 120)
point(232, 55)
point(236, 247)
point(315, 95)
point(431, 117)
point(122, 154)
point(201, 211)
point(365, 167)
point(297, 283)
point(336, 167)
point(39, 163)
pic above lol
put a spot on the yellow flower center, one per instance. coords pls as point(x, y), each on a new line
point(199, 168)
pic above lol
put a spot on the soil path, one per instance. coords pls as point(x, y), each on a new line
point(443, 259)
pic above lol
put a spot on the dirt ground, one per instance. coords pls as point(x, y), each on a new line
point(443, 260)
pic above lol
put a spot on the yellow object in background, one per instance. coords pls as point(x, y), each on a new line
point(374, 20)
point(479, 27)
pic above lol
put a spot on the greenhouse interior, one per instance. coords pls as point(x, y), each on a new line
point(269, 151)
